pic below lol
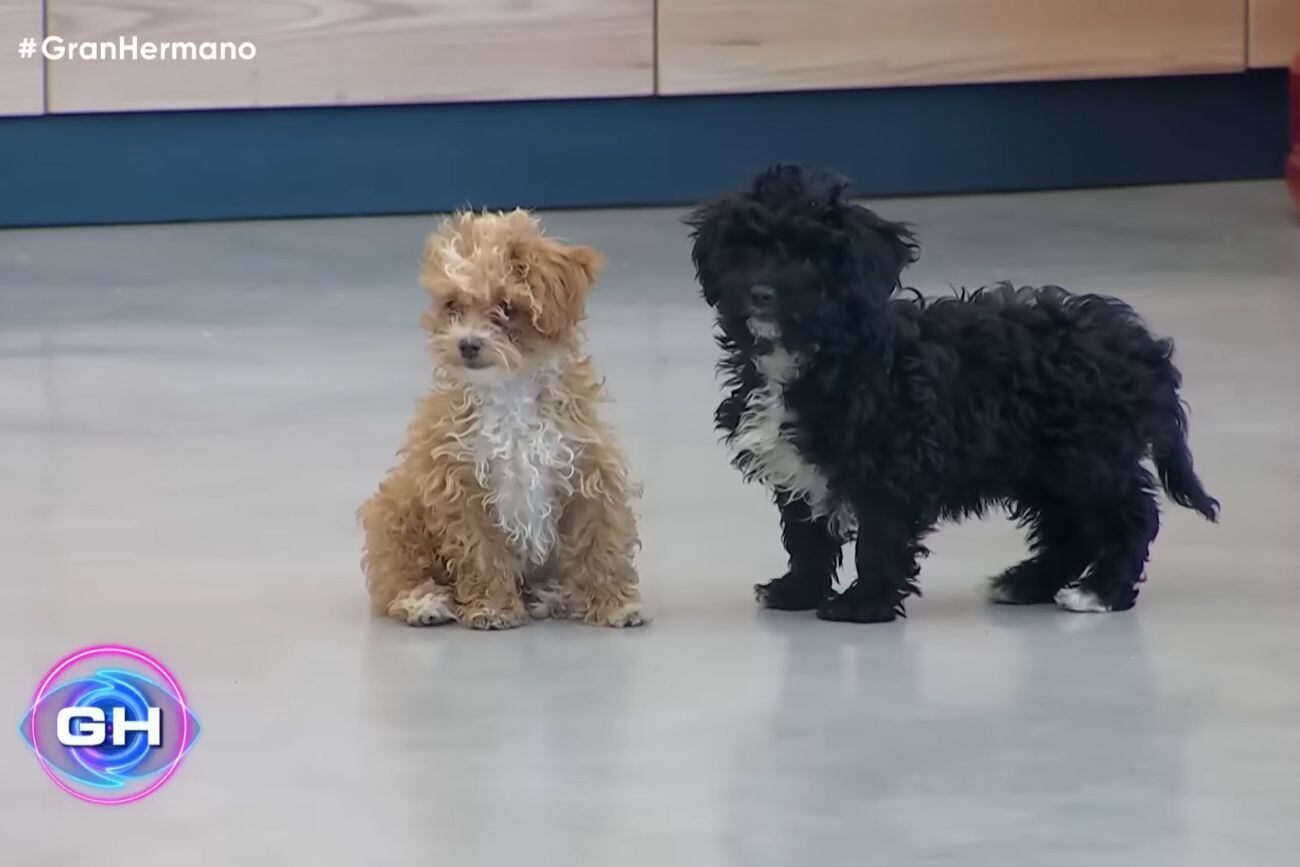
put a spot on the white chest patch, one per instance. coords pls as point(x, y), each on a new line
point(523, 462)
point(774, 459)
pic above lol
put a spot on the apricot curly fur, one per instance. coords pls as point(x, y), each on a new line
point(454, 534)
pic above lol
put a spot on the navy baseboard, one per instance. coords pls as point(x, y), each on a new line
point(111, 168)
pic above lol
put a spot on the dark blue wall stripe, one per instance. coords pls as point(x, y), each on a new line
point(394, 159)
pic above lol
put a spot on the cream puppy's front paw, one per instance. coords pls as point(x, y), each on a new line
point(619, 616)
point(485, 617)
point(426, 605)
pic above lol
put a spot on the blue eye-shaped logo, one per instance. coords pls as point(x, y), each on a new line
point(109, 734)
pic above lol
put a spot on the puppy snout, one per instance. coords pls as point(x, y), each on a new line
point(761, 296)
point(470, 347)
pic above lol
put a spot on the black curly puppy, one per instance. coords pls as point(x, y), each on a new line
point(874, 419)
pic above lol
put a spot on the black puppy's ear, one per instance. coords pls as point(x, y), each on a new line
point(836, 185)
point(705, 222)
point(883, 248)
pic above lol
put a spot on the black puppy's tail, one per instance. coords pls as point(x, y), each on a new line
point(1174, 466)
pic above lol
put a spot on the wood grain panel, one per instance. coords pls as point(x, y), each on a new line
point(740, 45)
point(1274, 32)
point(321, 52)
point(22, 82)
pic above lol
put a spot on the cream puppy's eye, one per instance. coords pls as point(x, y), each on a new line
point(506, 311)
point(451, 307)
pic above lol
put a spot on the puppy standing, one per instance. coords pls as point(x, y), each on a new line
point(876, 418)
point(511, 496)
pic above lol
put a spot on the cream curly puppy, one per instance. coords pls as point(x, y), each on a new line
point(511, 497)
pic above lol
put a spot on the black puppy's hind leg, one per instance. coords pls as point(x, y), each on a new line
point(1059, 556)
point(1123, 529)
point(815, 555)
point(886, 556)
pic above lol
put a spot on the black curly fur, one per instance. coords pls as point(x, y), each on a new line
point(917, 411)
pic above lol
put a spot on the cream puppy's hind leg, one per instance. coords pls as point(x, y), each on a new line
point(399, 559)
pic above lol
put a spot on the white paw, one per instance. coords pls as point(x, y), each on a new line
point(627, 615)
point(489, 619)
point(1074, 598)
point(538, 609)
point(428, 609)
point(632, 617)
point(546, 602)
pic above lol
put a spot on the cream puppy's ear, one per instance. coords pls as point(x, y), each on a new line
point(558, 278)
point(590, 261)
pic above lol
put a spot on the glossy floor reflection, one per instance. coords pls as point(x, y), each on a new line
point(190, 414)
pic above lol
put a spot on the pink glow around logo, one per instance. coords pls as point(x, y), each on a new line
point(109, 724)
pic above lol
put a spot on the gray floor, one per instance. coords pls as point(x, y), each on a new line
point(190, 414)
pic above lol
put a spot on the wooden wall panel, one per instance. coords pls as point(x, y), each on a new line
point(1274, 32)
point(22, 87)
point(739, 45)
point(322, 52)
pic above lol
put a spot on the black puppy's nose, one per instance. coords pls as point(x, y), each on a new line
point(470, 348)
point(762, 296)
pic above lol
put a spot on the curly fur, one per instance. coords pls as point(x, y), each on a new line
point(521, 458)
point(903, 412)
point(765, 454)
point(511, 497)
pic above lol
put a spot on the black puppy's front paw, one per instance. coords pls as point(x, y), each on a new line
point(1033, 582)
point(852, 609)
point(790, 592)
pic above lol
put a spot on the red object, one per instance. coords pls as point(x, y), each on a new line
point(1293, 161)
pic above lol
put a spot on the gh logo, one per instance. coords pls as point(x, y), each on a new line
point(85, 727)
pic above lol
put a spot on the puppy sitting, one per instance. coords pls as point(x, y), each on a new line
point(511, 496)
point(876, 418)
